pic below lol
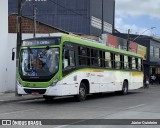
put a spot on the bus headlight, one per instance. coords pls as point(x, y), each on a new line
point(54, 82)
point(18, 83)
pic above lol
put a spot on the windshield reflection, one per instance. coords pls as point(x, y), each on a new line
point(39, 62)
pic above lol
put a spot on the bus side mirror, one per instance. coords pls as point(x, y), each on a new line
point(13, 55)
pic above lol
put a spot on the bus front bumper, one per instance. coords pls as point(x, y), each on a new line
point(50, 91)
point(58, 90)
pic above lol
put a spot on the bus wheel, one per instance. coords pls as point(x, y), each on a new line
point(82, 92)
point(48, 98)
point(124, 88)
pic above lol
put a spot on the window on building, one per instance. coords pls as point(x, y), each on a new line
point(156, 52)
point(151, 51)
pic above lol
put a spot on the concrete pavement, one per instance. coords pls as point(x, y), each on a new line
point(138, 104)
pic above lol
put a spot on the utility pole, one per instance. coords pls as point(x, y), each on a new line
point(102, 19)
point(19, 27)
point(34, 20)
point(19, 38)
point(128, 39)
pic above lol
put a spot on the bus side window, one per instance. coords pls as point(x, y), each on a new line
point(133, 63)
point(72, 58)
point(136, 59)
point(130, 62)
point(82, 54)
point(117, 61)
point(65, 58)
point(126, 64)
point(108, 60)
point(113, 60)
point(68, 58)
point(139, 64)
point(101, 59)
point(122, 61)
point(94, 57)
point(88, 56)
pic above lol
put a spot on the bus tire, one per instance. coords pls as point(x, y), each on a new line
point(124, 88)
point(48, 98)
point(82, 93)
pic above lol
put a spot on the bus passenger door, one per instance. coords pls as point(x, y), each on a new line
point(68, 67)
point(95, 72)
point(95, 81)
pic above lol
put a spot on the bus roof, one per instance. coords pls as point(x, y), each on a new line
point(88, 42)
point(92, 43)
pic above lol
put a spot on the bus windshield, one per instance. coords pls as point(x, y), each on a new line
point(39, 62)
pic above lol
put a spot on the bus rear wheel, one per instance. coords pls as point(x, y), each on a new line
point(82, 93)
point(48, 98)
point(124, 88)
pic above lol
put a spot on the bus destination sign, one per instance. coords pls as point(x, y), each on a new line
point(41, 42)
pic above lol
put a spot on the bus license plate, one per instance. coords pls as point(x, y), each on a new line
point(35, 93)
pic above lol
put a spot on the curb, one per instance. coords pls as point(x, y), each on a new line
point(22, 99)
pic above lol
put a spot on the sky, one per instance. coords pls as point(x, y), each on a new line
point(139, 16)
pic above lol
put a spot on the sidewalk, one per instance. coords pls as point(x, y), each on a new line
point(10, 97)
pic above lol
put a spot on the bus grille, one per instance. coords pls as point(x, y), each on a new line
point(30, 91)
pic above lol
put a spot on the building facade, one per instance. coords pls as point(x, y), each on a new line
point(28, 26)
point(77, 16)
point(3, 45)
point(152, 62)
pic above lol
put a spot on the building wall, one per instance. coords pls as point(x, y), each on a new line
point(108, 16)
point(7, 43)
point(69, 15)
point(3, 43)
point(155, 44)
point(146, 43)
point(27, 26)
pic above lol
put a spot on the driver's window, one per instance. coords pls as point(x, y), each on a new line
point(68, 58)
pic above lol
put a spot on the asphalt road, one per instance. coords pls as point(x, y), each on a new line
point(138, 104)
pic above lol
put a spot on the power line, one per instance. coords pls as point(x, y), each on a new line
point(82, 15)
point(96, 21)
point(69, 9)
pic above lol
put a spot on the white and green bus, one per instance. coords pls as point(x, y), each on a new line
point(64, 65)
